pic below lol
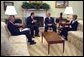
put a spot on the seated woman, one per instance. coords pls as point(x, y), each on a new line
point(49, 22)
point(14, 29)
point(72, 26)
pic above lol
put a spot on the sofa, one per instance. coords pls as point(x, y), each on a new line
point(13, 45)
point(76, 37)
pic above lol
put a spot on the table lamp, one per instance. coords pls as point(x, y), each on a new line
point(68, 11)
point(10, 10)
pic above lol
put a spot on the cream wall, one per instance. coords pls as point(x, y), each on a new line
point(54, 11)
point(17, 5)
point(77, 8)
point(76, 5)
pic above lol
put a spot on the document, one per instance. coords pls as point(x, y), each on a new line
point(24, 29)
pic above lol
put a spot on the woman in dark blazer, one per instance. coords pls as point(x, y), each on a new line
point(71, 27)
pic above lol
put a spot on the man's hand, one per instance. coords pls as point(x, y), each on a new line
point(49, 24)
point(21, 28)
point(60, 26)
point(21, 25)
point(70, 26)
point(34, 21)
point(18, 24)
point(68, 23)
point(66, 26)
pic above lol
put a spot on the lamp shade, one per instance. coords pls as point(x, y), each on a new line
point(68, 10)
point(10, 10)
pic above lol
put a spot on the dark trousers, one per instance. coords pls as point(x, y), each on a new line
point(34, 28)
point(28, 34)
point(64, 31)
point(53, 27)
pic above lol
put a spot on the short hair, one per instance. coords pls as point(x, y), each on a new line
point(32, 13)
point(48, 13)
point(75, 16)
point(61, 13)
point(12, 16)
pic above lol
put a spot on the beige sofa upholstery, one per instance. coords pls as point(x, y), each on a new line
point(76, 37)
point(13, 45)
point(80, 27)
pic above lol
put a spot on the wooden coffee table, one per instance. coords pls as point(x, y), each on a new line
point(52, 38)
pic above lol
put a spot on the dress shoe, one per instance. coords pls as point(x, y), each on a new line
point(37, 35)
point(31, 43)
point(33, 36)
point(66, 39)
point(45, 31)
point(55, 31)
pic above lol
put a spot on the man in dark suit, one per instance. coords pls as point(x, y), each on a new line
point(72, 26)
point(31, 23)
point(15, 29)
point(49, 22)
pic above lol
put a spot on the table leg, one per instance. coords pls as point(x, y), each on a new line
point(48, 48)
point(42, 37)
point(63, 45)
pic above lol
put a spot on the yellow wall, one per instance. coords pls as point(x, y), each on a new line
point(77, 8)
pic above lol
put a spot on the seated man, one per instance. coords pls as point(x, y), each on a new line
point(72, 26)
point(60, 18)
point(31, 23)
point(49, 22)
point(14, 29)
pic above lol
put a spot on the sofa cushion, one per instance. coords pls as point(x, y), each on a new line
point(5, 47)
point(14, 49)
point(19, 50)
point(77, 34)
point(80, 26)
point(76, 38)
point(4, 30)
point(18, 39)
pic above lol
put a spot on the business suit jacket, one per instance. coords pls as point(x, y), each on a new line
point(74, 25)
point(29, 21)
point(13, 28)
point(64, 31)
point(49, 21)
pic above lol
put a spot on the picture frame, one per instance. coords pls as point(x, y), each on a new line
point(61, 4)
point(35, 1)
point(7, 4)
